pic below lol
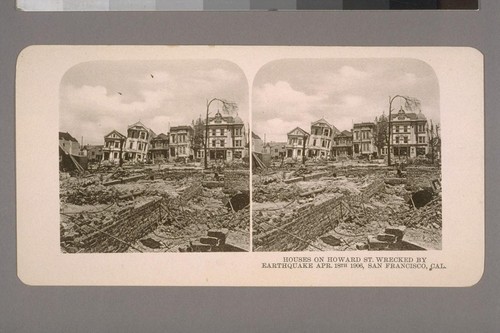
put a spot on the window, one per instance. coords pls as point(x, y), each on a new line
point(323, 143)
point(222, 132)
point(213, 143)
point(143, 136)
point(397, 139)
point(130, 146)
point(405, 139)
point(300, 142)
point(237, 143)
point(115, 155)
point(314, 142)
point(406, 128)
point(396, 129)
point(326, 132)
point(214, 132)
point(222, 143)
point(276, 150)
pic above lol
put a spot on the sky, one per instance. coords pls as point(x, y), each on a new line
point(295, 92)
point(100, 96)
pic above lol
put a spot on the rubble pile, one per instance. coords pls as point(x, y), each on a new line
point(429, 216)
point(275, 192)
point(369, 204)
point(122, 210)
point(90, 195)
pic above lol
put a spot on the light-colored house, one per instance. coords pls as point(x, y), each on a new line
point(114, 143)
point(296, 143)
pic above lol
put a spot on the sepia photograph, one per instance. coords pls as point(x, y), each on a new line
point(153, 157)
point(299, 166)
point(346, 155)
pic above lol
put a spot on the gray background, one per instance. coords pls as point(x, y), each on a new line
point(153, 309)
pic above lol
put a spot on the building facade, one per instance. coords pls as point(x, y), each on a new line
point(320, 141)
point(138, 142)
point(296, 143)
point(409, 137)
point(68, 143)
point(114, 144)
point(94, 153)
point(226, 138)
point(363, 140)
point(159, 148)
point(180, 143)
point(342, 144)
point(257, 143)
point(277, 150)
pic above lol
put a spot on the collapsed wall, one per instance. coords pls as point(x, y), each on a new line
point(296, 233)
point(128, 226)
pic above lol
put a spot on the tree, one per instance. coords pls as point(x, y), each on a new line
point(198, 138)
point(434, 141)
point(381, 135)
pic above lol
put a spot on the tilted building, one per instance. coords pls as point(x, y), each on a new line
point(320, 141)
point(138, 141)
point(68, 143)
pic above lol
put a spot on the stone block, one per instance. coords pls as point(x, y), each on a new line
point(387, 238)
point(200, 247)
point(375, 244)
point(213, 241)
point(396, 231)
point(220, 234)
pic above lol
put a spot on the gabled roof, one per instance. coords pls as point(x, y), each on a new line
point(321, 121)
point(300, 130)
point(255, 136)
point(161, 136)
point(115, 131)
point(227, 119)
point(66, 136)
point(139, 123)
point(346, 133)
